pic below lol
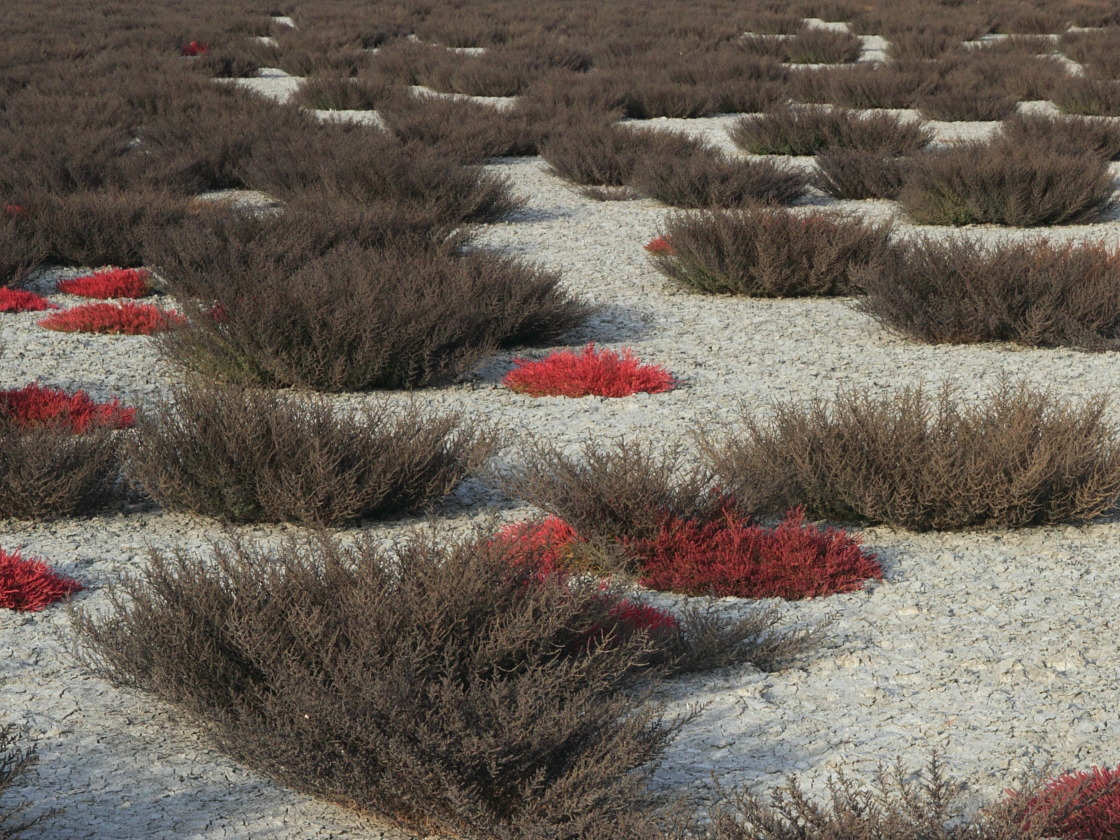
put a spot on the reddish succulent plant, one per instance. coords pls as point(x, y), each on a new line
point(602, 373)
point(660, 245)
point(113, 319)
point(194, 48)
point(110, 283)
point(1080, 805)
point(30, 585)
point(21, 300)
point(37, 405)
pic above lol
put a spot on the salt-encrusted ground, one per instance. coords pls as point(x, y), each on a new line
point(1000, 648)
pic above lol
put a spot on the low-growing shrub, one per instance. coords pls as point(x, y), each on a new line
point(870, 85)
point(894, 806)
point(21, 300)
point(38, 405)
point(110, 283)
point(1032, 293)
point(334, 93)
point(1091, 97)
point(711, 179)
point(1079, 805)
point(260, 456)
point(770, 252)
point(596, 153)
point(922, 42)
point(48, 470)
point(1003, 183)
point(1016, 458)
point(1098, 52)
point(598, 373)
point(454, 691)
point(30, 585)
point(855, 174)
point(1100, 137)
point(467, 131)
point(113, 319)
point(966, 94)
point(311, 324)
point(813, 45)
point(809, 130)
point(610, 493)
point(15, 761)
point(194, 49)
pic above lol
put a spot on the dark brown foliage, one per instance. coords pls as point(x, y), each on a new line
point(307, 319)
point(608, 493)
point(449, 690)
point(1032, 293)
point(809, 130)
point(596, 153)
point(770, 252)
point(924, 42)
point(1090, 97)
point(1015, 458)
point(49, 471)
point(15, 761)
point(966, 93)
point(1006, 183)
point(1097, 52)
point(335, 93)
point(1077, 134)
point(821, 46)
point(871, 85)
point(929, 807)
point(713, 179)
point(259, 456)
point(856, 174)
point(466, 131)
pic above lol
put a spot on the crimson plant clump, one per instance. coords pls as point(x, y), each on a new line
point(263, 456)
point(110, 283)
point(21, 300)
point(30, 585)
point(1017, 457)
point(591, 372)
point(114, 319)
point(39, 405)
point(1078, 805)
point(769, 252)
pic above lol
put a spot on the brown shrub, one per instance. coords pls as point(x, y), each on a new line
point(608, 493)
point(15, 761)
point(453, 690)
point(1087, 96)
point(465, 131)
point(1007, 184)
point(1032, 293)
point(1076, 134)
point(49, 471)
point(871, 85)
point(310, 324)
point(259, 456)
point(922, 42)
point(809, 130)
point(895, 806)
point(1097, 52)
point(969, 90)
point(770, 252)
point(712, 179)
point(336, 93)
point(821, 46)
point(856, 174)
point(596, 153)
point(1017, 457)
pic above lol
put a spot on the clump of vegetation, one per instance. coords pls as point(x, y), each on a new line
point(335, 93)
point(21, 300)
point(30, 585)
point(809, 130)
point(1088, 96)
point(1032, 293)
point(37, 405)
point(711, 179)
point(1018, 457)
point(15, 761)
point(110, 283)
point(596, 153)
point(1100, 137)
point(113, 319)
point(260, 456)
point(855, 174)
point(1004, 183)
point(602, 373)
point(770, 252)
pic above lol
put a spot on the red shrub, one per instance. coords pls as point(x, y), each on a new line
point(31, 585)
point(111, 283)
point(732, 557)
point(606, 373)
point(113, 318)
point(1081, 805)
point(194, 48)
point(14, 210)
point(660, 245)
point(21, 300)
point(35, 405)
